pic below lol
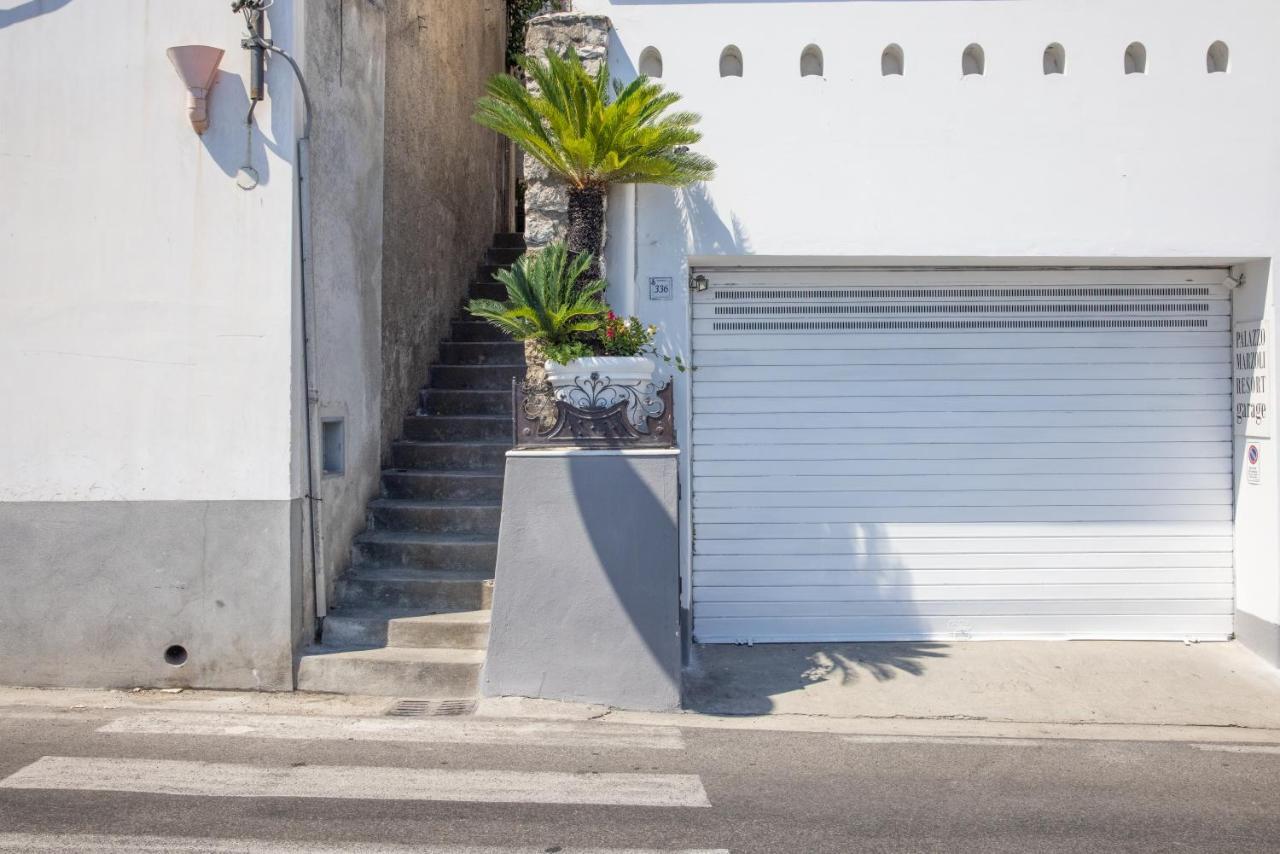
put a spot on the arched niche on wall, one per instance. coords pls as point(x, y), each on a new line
point(731, 62)
point(1135, 59)
point(973, 62)
point(811, 61)
point(1218, 60)
point(1055, 59)
point(892, 62)
point(651, 62)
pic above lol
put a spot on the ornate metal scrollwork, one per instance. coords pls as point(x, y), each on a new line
point(594, 392)
point(594, 413)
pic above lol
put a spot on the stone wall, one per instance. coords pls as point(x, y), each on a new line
point(545, 201)
point(445, 191)
point(344, 65)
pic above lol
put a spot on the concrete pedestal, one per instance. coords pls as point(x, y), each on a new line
point(586, 599)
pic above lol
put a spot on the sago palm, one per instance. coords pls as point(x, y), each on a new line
point(550, 300)
point(570, 125)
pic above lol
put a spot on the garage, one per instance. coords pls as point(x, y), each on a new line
point(961, 454)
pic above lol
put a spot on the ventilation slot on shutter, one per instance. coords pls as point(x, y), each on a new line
point(958, 293)
point(969, 308)
point(837, 325)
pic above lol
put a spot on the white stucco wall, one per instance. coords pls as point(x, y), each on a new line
point(146, 302)
point(1012, 167)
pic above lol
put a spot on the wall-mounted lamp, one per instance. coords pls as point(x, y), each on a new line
point(197, 65)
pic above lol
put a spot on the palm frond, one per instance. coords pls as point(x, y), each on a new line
point(591, 131)
point(547, 298)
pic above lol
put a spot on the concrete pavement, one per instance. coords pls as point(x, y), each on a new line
point(1076, 682)
point(155, 774)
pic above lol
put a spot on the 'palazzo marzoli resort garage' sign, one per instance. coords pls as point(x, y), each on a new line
point(1251, 362)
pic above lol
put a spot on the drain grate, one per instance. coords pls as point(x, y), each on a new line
point(432, 708)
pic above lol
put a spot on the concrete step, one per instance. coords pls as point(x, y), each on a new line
point(488, 272)
point(435, 401)
point(392, 672)
point(401, 628)
point(450, 456)
point(509, 239)
point(476, 377)
point(504, 255)
point(487, 289)
point(418, 589)
point(348, 625)
point(446, 517)
point(425, 549)
point(452, 630)
point(475, 330)
point(458, 428)
point(424, 485)
point(482, 353)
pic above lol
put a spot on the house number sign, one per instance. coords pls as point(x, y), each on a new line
point(661, 287)
point(1251, 378)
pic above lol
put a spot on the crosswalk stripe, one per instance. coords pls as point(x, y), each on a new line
point(352, 782)
point(450, 731)
point(964, 740)
point(70, 843)
point(1240, 748)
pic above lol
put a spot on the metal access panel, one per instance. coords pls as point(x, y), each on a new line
point(940, 454)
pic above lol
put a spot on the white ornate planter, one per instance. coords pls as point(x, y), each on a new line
point(600, 382)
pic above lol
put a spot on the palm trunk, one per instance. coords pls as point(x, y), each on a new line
point(586, 225)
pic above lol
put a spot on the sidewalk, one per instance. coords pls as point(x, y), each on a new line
point(1213, 693)
point(1104, 682)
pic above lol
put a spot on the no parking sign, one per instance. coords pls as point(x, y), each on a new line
point(1253, 465)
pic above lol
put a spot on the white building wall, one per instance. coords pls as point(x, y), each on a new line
point(147, 312)
point(1012, 167)
point(149, 495)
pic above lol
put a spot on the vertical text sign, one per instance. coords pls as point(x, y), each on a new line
point(1251, 376)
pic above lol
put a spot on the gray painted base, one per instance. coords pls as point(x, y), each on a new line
point(1259, 635)
point(93, 593)
point(586, 599)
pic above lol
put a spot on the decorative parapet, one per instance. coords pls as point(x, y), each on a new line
point(594, 413)
point(546, 204)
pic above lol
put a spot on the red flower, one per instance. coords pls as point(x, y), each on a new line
point(611, 332)
point(613, 316)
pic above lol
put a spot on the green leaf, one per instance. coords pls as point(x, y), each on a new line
point(582, 135)
point(548, 300)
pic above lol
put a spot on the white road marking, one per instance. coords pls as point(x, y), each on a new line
point(349, 782)
point(1240, 748)
point(92, 844)
point(448, 731)
point(925, 739)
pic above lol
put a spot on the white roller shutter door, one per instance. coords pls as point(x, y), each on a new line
point(974, 454)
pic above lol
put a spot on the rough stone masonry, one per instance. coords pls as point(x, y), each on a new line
point(546, 202)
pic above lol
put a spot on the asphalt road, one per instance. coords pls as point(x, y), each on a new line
point(248, 783)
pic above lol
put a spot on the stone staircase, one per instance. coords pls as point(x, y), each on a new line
point(411, 616)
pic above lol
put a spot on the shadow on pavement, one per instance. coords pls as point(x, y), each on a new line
point(744, 680)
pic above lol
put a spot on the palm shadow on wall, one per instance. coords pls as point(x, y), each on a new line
point(728, 679)
point(27, 11)
point(724, 678)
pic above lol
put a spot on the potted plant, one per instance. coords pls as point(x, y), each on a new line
point(551, 305)
point(590, 141)
point(625, 347)
point(593, 358)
